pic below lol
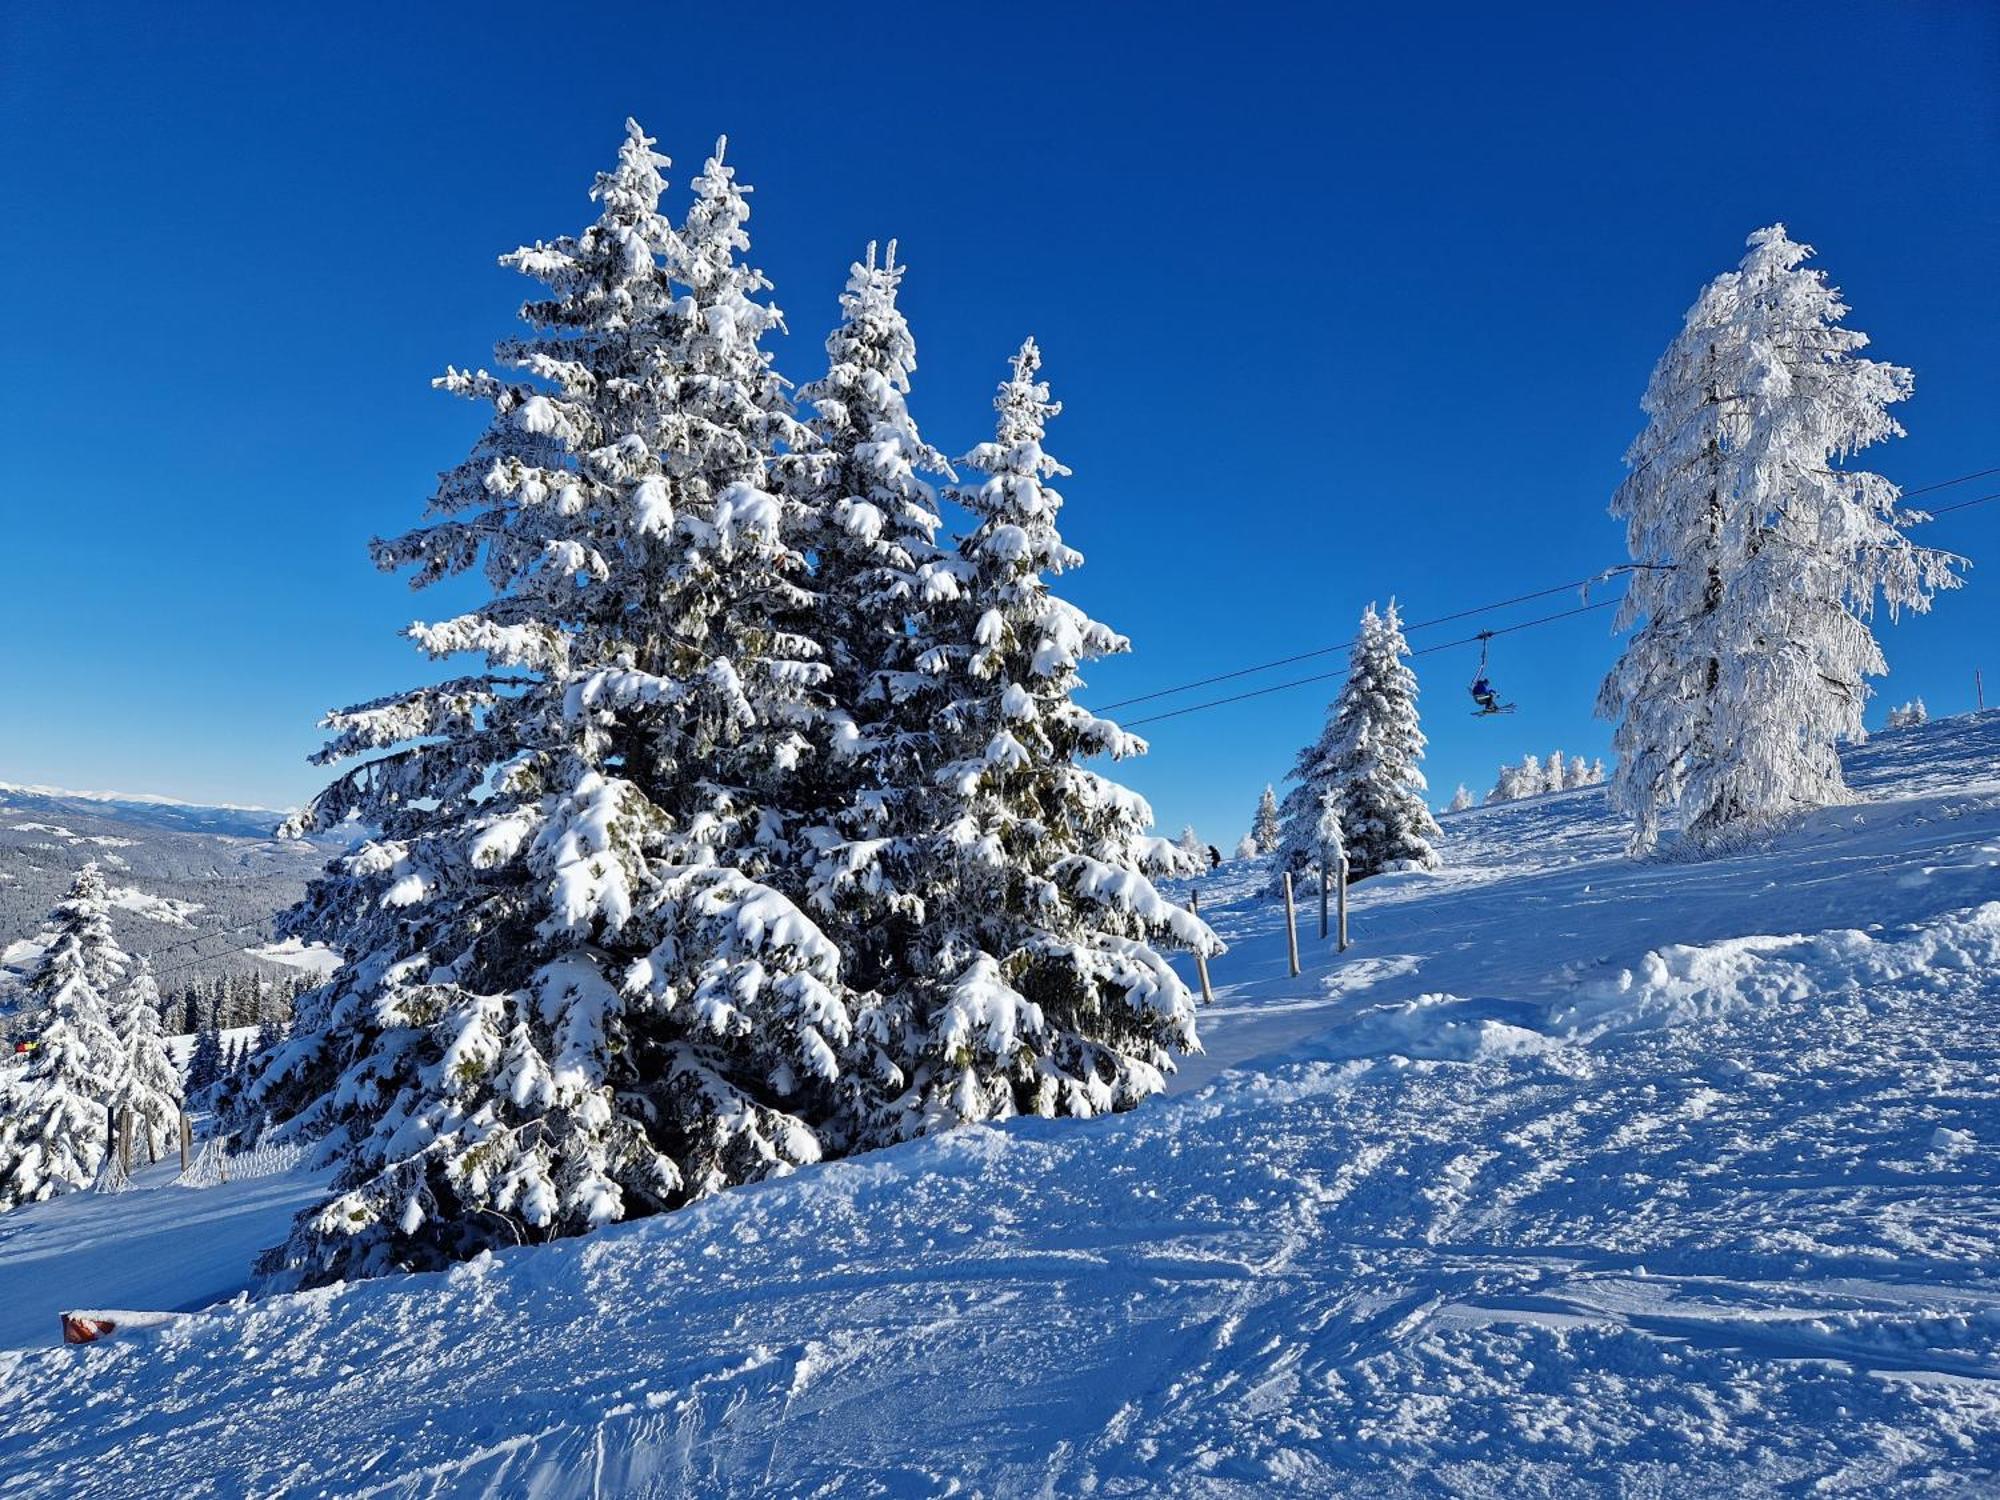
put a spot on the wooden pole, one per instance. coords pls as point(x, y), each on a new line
point(1979, 689)
point(1325, 875)
point(187, 1141)
point(1201, 961)
point(1291, 925)
point(125, 1140)
point(1343, 903)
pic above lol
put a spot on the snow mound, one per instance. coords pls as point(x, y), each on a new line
point(1681, 983)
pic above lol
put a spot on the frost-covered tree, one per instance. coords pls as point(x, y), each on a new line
point(1266, 829)
point(60, 1108)
point(1760, 555)
point(149, 1085)
point(570, 993)
point(1246, 847)
point(1368, 755)
point(1190, 844)
point(1555, 775)
point(1035, 983)
point(1460, 799)
point(1909, 715)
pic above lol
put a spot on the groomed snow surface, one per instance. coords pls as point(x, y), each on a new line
point(1573, 1176)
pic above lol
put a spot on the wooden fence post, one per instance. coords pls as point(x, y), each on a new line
point(1201, 960)
point(1291, 925)
point(1325, 878)
point(187, 1142)
point(1343, 903)
point(125, 1140)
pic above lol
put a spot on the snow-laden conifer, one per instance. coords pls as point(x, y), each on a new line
point(1368, 755)
point(1909, 715)
point(1037, 985)
point(60, 1106)
point(569, 993)
point(878, 575)
point(1460, 799)
point(1246, 847)
point(1267, 830)
point(150, 1083)
point(1761, 553)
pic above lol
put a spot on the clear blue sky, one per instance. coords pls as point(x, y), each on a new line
point(1343, 302)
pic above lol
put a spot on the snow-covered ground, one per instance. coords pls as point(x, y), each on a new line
point(1574, 1175)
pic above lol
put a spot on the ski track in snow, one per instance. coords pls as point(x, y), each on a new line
point(1574, 1176)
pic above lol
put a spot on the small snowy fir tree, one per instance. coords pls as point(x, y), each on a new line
point(204, 1068)
point(570, 994)
point(150, 1086)
point(1368, 754)
point(1267, 830)
point(1555, 775)
point(1909, 715)
point(59, 1108)
point(1761, 556)
point(1460, 800)
point(1246, 847)
point(1332, 835)
point(1035, 983)
point(1190, 844)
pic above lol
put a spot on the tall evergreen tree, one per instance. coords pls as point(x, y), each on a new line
point(60, 1107)
point(1267, 830)
point(1368, 755)
point(878, 574)
point(1035, 984)
point(1761, 556)
point(150, 1085)
point(1460, 799)
point(570, 995)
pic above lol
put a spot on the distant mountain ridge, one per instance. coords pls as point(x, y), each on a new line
point(198, 884)
point(145, 808)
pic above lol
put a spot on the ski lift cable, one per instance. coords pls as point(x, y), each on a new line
point(1480, 609)
point(1470, 640)
point(1463, 614)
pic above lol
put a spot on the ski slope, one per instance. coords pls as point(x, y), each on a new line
point(1574, 1175)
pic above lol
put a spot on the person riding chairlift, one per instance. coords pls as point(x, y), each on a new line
point(1484, 696)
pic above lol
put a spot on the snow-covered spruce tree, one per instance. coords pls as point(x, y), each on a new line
point(1266, 829)
point(878, 573)
point(1190, 844)
point(1246, 847)
point(1909, 715)
point(1460, 799)
point(149, 1084)
point(1368, 755)
point(60, 1107)
point(1034, 984)
point(1760, 557)
point(568, 994)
